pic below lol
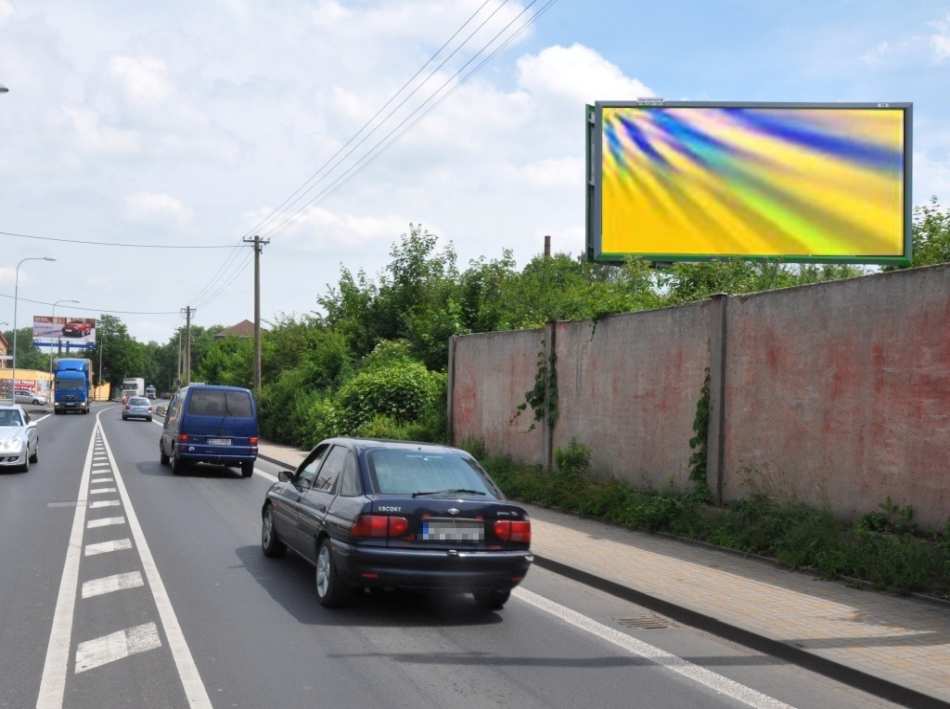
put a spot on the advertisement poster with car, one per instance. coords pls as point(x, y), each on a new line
point(64, 333)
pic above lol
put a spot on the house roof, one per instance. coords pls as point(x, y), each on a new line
point(3, 343)
point(245, 328)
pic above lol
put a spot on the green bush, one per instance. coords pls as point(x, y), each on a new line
point(404, 392)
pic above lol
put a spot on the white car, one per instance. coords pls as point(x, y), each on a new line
point(19, 439)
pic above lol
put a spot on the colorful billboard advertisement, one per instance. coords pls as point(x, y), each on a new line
point(673, 181)
point(64, 333)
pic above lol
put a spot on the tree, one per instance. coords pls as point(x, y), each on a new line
point(931, 234)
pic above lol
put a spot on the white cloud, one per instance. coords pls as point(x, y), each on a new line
point(155, 207)
point(577, 73)
point(553, 172)
point(322, 229)
point(940, 39)
point(145, 79)
point(7, 273)
point(93, 136)
point(931, 177)
point(6, 9)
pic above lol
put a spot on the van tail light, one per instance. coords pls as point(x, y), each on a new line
point(380, 526)
point(182, 437)
point(517, 531)
point(252, 440)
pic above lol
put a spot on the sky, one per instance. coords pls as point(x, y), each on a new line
point(187, 123)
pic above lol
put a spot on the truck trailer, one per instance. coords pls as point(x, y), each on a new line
point(72, 385)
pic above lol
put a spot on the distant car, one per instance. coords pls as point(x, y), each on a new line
point(77, 328)
point(25, 396)
point(138, 407)
point(370, 513)
point(19, 439)
point(210, 424)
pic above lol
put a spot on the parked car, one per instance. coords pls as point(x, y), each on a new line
point(138, 407)
point(19, 439)
point(210, 424)
point(370, 513)
point(25, 396)
point(77, 328)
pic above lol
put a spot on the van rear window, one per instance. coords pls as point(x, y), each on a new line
point(219, 403)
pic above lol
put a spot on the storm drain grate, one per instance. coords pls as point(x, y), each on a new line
point(645, 622)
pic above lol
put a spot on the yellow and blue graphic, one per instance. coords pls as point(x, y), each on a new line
point(801, 182)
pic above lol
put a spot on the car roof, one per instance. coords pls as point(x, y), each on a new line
point(364, 444)
point(213, 387)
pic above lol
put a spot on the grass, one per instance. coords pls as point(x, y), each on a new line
point(884, 548)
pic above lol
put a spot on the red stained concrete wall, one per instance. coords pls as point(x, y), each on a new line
point(839, 394)
point(628, 389)
point(491, 374)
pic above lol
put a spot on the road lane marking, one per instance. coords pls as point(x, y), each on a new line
point(717, 683)
point(53, 681)
point(109, 546)
point(105, 480)
point(110, 584)
point(103, 503)
point(191, 682)
point(41, 418)
point(116, 646)
point(105, 522)
point(266, 476)
point(102, 490)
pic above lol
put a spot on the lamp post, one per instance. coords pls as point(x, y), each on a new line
point(16, 295)
point(63, 300)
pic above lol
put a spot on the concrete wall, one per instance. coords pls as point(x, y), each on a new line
point(628, 388)
point(839, 394)
point(490, 375)
point(836, 394)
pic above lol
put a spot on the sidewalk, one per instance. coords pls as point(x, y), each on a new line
point(903, 641)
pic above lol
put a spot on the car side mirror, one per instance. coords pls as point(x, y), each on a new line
point(284, 476)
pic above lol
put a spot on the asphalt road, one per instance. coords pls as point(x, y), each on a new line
point(155, 594)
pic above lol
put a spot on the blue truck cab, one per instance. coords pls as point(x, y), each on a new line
point(210, 424)
point(72, 385)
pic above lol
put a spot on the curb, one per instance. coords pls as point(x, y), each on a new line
point(275, 461)
point(882, 688)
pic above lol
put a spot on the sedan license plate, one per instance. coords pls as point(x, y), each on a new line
point(453, 531)
point(219, 441)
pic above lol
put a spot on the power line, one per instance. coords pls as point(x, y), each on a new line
point(385, 141)
point(212, 296)
point(119, 244)
point(307, 186)
point(225, 264)
point(107, 311)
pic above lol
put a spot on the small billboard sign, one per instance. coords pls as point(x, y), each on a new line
point(64, 333)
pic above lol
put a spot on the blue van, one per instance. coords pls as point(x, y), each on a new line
point(210, 424)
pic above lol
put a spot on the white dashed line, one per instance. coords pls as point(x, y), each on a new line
point(102, 491)
point(103, 503)
point(700, 675)
point(116, 646)
point(109, 546)
point(109, 584)
point(105, 522)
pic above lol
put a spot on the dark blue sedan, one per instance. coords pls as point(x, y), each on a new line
point(370, 513)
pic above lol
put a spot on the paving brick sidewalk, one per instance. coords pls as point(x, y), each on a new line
point(901, 640)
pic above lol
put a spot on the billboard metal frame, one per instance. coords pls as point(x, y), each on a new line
point(594, 125)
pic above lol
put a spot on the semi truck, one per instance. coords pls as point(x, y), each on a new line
point(72, 385)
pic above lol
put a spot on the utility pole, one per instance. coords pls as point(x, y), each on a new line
point(178, 369)
point(187, 363)
point(547, 247)
point(259, 245)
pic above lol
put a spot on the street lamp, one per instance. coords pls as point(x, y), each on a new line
point(16, 295)
point(62, 300)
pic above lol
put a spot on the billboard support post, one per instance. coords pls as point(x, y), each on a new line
point(671, 181)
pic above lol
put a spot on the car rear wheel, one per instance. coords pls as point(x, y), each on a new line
point(178, 466)
point(270, 543)
point(330, 591)
point(247, 468)
point(163, 459)
point(491, 600)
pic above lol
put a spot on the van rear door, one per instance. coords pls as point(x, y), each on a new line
point(220, 417)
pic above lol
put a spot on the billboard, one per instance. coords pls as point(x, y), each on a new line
point(687, 181)
point(64, 333)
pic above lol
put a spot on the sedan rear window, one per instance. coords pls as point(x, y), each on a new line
point(404, 472)
point(209, 402)
point(138, 401)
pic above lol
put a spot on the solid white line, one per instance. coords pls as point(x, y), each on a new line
point(106, 547)
point(701, 675)
point(266, 476)
point(41, 418)
point(103, 503)
point(105, 522)
point(191, 682)
point(102, 491)
point(53, 681)
point(116, 646)
point(108, 584)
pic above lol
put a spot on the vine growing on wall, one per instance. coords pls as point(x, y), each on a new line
point(542, 397)
point(699, 442)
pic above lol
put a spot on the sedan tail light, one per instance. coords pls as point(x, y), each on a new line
point(518, 530)
point(380, 526)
